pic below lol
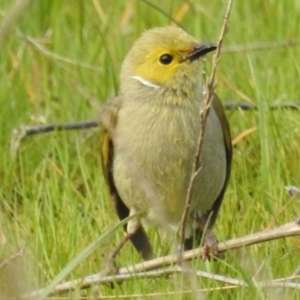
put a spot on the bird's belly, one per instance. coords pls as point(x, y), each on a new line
point(153, 165)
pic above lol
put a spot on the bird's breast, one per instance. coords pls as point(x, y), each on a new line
point(154, 151)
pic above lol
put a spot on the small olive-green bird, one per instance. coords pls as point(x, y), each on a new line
point(150, 134)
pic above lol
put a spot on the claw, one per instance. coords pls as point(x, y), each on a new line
point(210, 247)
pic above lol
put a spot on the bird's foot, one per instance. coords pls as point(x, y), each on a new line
point(210, 247)
point(110, 266)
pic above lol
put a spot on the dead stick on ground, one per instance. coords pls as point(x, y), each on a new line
point(204, 111)
point(231, 282)
point(126, 273)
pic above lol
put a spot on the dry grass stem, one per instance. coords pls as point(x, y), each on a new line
point(164, 13)
point(37, 45)
point(205, 107)
point(11, 258)
point(11, 17)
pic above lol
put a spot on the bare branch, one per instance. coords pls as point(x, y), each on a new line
point(138, 270)
point(20, 133)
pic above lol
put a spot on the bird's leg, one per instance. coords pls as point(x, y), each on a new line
point(111, 267)
point(210, 246)
point(116, 251)
point(132, 226)
point(210, 242)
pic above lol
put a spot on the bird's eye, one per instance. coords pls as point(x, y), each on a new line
point(166, 59)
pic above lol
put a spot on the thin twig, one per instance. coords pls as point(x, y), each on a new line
point(164, 13)
point(296, 275)
point(204, 111)
point(11, 258)
point(60, 127)
point(129, 272)
point(20, 133)
point(295, 105)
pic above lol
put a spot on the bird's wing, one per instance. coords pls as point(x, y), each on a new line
point(109, 119)
point(212, 214)
point(219, 109)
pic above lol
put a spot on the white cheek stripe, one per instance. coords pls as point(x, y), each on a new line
point(146, 82)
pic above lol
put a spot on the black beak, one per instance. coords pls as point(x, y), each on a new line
point(201, 50)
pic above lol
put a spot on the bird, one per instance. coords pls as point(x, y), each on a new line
point(149, 138)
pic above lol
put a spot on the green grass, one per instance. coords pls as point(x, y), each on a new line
point(52, 198)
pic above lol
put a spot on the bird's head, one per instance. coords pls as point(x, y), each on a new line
point(165, 57)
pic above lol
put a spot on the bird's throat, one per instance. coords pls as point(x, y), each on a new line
point(146, 82)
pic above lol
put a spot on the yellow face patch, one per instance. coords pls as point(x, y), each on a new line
point(159, 66)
